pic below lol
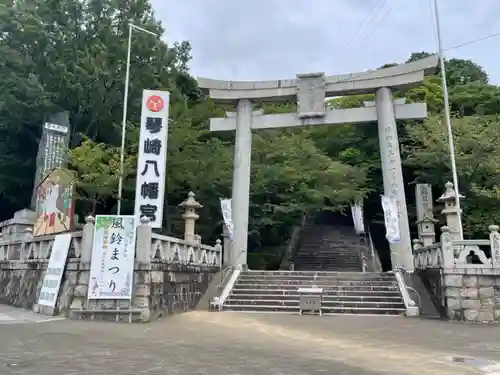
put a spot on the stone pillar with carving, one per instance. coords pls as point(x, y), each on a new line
point(450, 211)
point(401, 252)
point(242, 160)
point(190, 216)
point(495, 246)
point(79, 301)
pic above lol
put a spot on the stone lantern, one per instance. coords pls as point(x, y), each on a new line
point(190, 216)
point(451, 211)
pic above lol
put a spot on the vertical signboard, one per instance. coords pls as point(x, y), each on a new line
point(152, 157)
point(423, 197)
point(52, 150)
point(54, 273)
point(390, 207)
point(113, 254)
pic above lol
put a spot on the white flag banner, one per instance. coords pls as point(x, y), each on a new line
point(391, 217)
point(357, 218)
point(225, 205)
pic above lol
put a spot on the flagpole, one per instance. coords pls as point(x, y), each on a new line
point(131, 28)
point(448, 118)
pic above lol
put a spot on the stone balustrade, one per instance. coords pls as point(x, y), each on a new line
point(463, 279)
point(450, 253)
point(170, 274)
point(177, 251)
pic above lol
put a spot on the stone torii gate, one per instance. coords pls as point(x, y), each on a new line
point(311, 91)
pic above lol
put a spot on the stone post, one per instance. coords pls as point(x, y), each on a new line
point(447, 248)
point(241, 181)
point(144, 277)
point(417, 244)
point(87, 240)
point(451, 211)
point(26, 245)
point(79, 301)
point(190, 216)
point(218, 247)
point(393, 174)
point(495, 246)
point(227, 243)
point(143, 242)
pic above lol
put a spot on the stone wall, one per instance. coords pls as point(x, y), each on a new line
point(159, 289)
point(472, 294)
point(170, 274)
point(21, 281)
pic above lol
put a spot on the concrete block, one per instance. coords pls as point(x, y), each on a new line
point(156, 277)
point(453, 292)
point(470, 281)
point(487, 292)
point(469, 293)
point(486, 281)
point(485, 316)
point(470, 304)
point(496, 315)
point(452, 280)
point(471, 315)
point(487, 304)
point(453, 303)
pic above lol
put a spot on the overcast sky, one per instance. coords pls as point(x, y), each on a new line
point(276, 39)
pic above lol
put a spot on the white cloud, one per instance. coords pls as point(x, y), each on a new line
point(269, 39)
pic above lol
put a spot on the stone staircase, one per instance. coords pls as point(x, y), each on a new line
point(329, 248)
point(343, 292)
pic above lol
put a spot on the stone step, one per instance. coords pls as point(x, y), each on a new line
point(324, 286)
point(355, 293)
point(318, 281)
point(326, 303)
point(327, 268)
point(319, 273)
point(326, 297)
point(319, 276)
point(326, 310)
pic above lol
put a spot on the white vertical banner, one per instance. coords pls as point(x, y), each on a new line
point(113, 255)
point(152, 157)
point(227, 214)
point(423, 198)
point(55, 270)
point(390, 207)
point(357, 217)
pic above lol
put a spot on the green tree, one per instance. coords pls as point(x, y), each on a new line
point(70, 55)
point(477, 150)
point(97, 167)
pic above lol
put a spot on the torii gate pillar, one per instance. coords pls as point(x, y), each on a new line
point(241, 181)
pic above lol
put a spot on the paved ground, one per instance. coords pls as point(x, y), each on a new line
point(250, 344)
point(10, 315)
